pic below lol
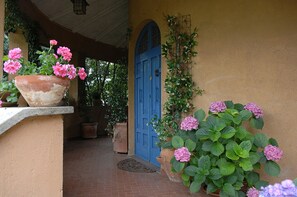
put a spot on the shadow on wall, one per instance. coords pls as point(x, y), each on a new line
point(72, 122)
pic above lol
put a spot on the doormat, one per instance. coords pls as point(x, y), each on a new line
point(132, 165)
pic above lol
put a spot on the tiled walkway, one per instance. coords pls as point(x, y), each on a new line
point(90, 169)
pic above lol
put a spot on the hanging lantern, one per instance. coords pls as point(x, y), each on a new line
point(80, 6)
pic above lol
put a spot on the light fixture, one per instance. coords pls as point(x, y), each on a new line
point(79, 6)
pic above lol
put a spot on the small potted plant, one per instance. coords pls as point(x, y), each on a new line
point(9, 94)
point(221, 154)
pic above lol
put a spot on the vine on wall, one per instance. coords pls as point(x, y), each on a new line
point(178, 51)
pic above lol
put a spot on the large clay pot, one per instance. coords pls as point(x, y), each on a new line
point(42, 90)
point(164, 159)
point(89, 130)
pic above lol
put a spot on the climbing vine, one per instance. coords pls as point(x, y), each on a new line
point(15, 19)
point(178, 51)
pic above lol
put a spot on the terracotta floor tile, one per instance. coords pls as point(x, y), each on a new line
point(90, 170)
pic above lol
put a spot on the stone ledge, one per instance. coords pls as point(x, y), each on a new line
point(10, 116)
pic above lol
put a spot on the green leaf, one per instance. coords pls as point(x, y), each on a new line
point(261, 140)
point(245, 115)
point(257, 123)
point(217, 149)
point(260, 184)
point(211, 188)
point(215, 174)
point(215, 136)
point(226, 117)
point(191, 170)
point(229, 189)
point(185, 177)
point(254, 157)
point(219, 183)
point(246, 145)
point(178, 166)
point(231, 179)
point(237, 120)
point(241, 133)
point(231, 155)
point(206, 146)
point(190, 145)
point(202, 134)
point(272, 168)
point(246, 164)
point(228, 132)
point(227, 168)
point(204, 162)
point(199, 115)
point(229, 104)
point(238, 106)
point(195, 187)
point(177, 142)
point(219, 125)
point(252, 178)
point(273, 142)
point(199, 178)
point(233, 112)
point(231, 145)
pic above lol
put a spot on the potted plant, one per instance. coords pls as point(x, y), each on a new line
point(9, 94)
point(43, 83)
point(220, 153)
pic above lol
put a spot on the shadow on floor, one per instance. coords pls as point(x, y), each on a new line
point(90, 169)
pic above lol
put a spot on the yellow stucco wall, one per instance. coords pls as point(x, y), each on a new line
point(31, 161)
point(247, 53)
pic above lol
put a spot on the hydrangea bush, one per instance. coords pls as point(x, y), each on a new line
point(221, 153)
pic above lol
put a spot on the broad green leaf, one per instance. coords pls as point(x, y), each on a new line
point(217, 149)
point(178, 166)
point(257, 123)
point(187, 183)
point(231, 179)
point(227, 168)
point(199, 178)
point(260, 140)
point(211, 121)
point(254, 157)
point(228, 132)
point(237, 120)
point(229, 104)
point(204, 162)
point(215, 136)
point(226, 117)
point(241, 133)
point(238, 106)
point(185, 177)
point(202, 134)
point(231, 145)
point(246, 164)
point(211, 188)
point(252, 178)
point(246, 145)
point(177, 142)
point(233, 112)
point(199, 115)
point(219, 183)
point(219, 125)
point(272, 168)
point(260, 184)
point(206, 146)
point(231, 155)
point(273, 142)
point(215, 174)
point(229, 189)
point(195, 187)
point(245, 115)
point(191, 170)
point(190, 145)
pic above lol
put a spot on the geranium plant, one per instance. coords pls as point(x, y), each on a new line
point(49, 63)
point(224, 154)
point(8, 91)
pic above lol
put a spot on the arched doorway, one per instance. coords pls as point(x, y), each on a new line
point(147, 91)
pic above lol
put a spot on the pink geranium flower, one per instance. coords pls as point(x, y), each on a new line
point(189, 123)
point(60, 70)
point(65, 53)
point(53, 42)
point(15, 54)
point(71, 71)
point(273, 153)
point(82, 74)
point(11, 66)
point(182, 154)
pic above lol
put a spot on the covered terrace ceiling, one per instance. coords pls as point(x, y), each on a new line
point(106, 21)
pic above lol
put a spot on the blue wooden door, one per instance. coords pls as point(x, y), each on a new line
point(147, 92)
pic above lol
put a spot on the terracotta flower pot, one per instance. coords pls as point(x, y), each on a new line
point(41, 90)
point(89, 130)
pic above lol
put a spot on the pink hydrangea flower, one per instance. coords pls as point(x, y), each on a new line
point(218, 106)
point(65, 53)
point(273, 153)
point(82, 74)
point(182, 154)
point(252, 107)
point(53, 42)
point(15, 54)
point(0, 103)
point(189, 123)
point(11, 67)
point(252, 192)
point(71, 71)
